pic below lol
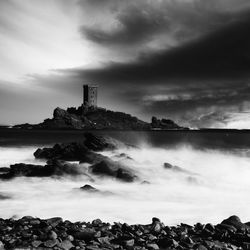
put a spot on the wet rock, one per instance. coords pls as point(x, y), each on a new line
point(175, 168)
point(4, 196)
point(89, 188)
point(65, 151)
point(99, 143)
point(113, 169)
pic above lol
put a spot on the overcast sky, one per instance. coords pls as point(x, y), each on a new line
point(187, 60)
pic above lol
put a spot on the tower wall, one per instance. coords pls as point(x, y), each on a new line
point(90, 95)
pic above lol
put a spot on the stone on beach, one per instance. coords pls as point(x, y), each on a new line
point(54, 233)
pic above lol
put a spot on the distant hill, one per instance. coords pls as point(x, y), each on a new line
point(88, 118)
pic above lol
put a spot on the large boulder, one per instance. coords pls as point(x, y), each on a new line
point(234, 221)
point(113, 169)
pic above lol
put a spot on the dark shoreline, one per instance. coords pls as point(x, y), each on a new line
point(54, 233)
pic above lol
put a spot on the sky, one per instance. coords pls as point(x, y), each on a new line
point(186, 60)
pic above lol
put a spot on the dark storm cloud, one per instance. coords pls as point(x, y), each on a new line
point(169, 22)
point(224, 54)
point(134, 25)
point(198, 79)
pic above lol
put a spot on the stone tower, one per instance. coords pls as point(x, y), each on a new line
point(90, 95)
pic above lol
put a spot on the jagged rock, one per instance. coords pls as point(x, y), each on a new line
point(89, 188)
point(70, 152)
point(113, 169)
point(99, 143)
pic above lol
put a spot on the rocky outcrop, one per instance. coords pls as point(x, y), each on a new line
point(52, 168)
point(90, 118)
point(164, 124)
point(113, 169)
point(54, 233)
point(79, 151)
point(84, 152)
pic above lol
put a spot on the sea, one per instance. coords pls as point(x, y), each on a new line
point(211, 183)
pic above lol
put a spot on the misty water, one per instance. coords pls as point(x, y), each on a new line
point(213, 182)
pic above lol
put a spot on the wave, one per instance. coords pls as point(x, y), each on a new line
point(210, 186)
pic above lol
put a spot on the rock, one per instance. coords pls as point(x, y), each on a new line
point(235, 222)
point(200, 247)
point(164, 124)
point(73, 151)
point(4, 196)
point(4, 170)
point(176, 168)
point(55, 221)
point(50, 243)
point(96, 222)
point(113, 169)
point(99, 143)
point(152, 246)
point(226, 227)
point(88, 118)
point(86, 234)
point(165, 243)
point(129, 243)
point(2, 246)
point(53, 168)
point(104, 240)
point(65, 245)
point(89, 188)
point(35, 222)
point(36, 243)
point(52, 235)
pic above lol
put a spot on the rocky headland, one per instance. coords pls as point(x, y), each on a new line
point(89, 118)
point(55, 233)
point(57, 158)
